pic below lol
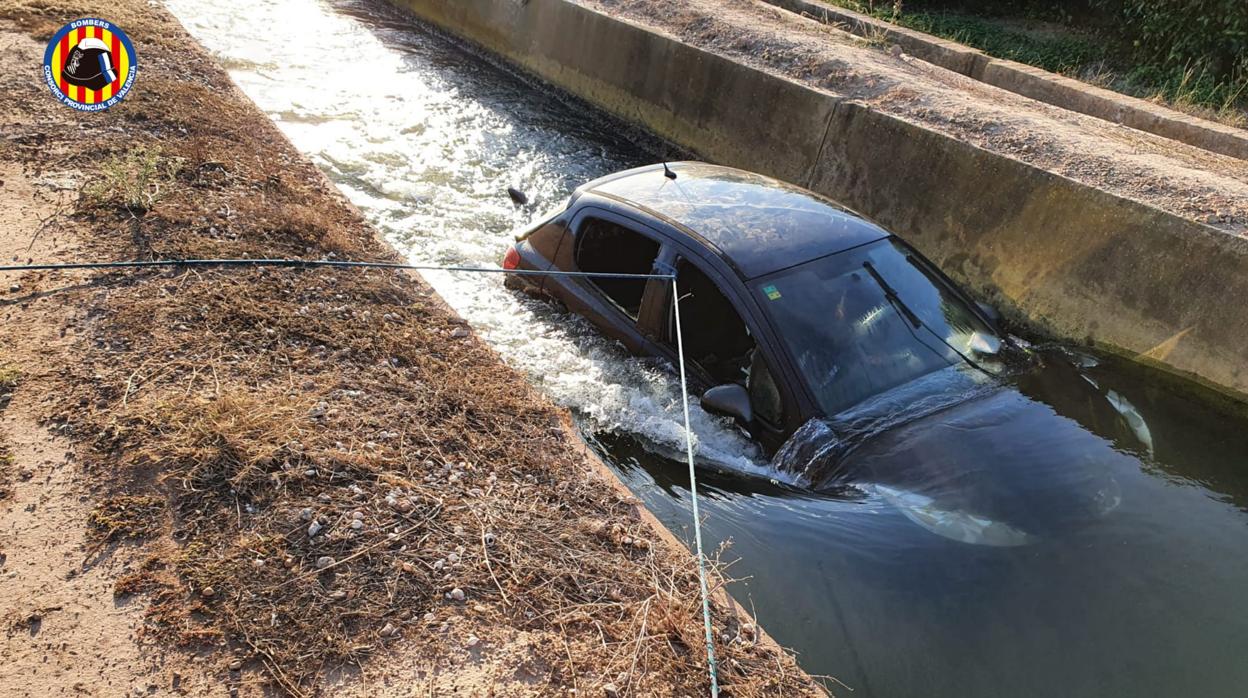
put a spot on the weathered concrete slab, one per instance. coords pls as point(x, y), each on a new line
point(1035, 83)
point(1077, 261)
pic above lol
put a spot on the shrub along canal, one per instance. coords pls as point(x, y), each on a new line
point(424, 135)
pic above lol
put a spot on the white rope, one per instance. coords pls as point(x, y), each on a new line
point(693, 492)
point(680, 352)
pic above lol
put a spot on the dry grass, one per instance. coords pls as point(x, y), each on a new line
point(1189, 97)
point(6, 472)
point(239, 423)
point(874, 36)
point(9, 378)
point(130, 516)
point(343, 399)
point(135, 180)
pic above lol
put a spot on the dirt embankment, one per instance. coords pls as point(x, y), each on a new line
point(220, 481)
point(1177, 178)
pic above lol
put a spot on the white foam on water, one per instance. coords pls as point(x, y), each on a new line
point(428, 161)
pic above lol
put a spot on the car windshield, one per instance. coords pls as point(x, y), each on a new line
point(868, 319)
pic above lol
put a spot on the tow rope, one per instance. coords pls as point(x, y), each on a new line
point(693, 492)
point(669, 275)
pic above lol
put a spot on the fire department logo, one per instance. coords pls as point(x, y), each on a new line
point(90, 65)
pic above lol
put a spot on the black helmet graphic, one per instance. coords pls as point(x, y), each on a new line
point(89, 64)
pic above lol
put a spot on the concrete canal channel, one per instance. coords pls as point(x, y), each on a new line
point(423, 134)
point(1088, 261)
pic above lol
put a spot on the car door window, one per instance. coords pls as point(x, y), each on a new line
point(718, 341)
point(606, 246)
point(764, 393)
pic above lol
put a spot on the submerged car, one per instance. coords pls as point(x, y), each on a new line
point(792, 306)
point(835, 344)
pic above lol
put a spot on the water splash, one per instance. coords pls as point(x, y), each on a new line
point(429, 161)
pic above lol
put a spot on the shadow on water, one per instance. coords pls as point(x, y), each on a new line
point(1139, 596)
point(1144, 598)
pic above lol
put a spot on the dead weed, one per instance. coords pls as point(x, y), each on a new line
point(323, 468)
point(135, 180)
point(127, 516)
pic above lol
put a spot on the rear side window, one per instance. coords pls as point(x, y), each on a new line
point(603, 246)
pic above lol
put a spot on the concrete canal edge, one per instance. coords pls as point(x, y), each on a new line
point(1033, 82)
point(1067, 259)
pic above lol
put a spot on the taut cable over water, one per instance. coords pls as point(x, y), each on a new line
point(314, 263)
point(669, 275)
point(693, 493)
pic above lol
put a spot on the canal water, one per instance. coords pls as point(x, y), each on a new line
point(425, 135)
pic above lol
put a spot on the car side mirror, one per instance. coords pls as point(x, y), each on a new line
point(989, 311)
point(729, 399)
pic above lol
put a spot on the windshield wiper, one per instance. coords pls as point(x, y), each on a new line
point(892, 296)
point(901, 306)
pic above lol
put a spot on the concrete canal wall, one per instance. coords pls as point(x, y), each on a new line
point(1075, 261)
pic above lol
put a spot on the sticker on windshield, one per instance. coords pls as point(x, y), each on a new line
point(772, 292)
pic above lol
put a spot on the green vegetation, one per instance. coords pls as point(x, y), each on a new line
point(1057, 53)
point(9, 376)
point(1209, 33)
point(135, 180)
point(1190, 54)
point(6, 473)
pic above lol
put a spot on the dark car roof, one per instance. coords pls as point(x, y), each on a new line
point(757, 223)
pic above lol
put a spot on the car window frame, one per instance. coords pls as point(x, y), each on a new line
point(799, 383)
point(736, 292)
point(574, 229)
point(950, 285)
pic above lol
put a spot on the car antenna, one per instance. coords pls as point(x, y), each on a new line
point(667, 172)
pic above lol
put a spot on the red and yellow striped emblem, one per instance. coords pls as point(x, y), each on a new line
point(120, 53)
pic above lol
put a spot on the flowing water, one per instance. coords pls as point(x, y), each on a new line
point(1149, 598)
